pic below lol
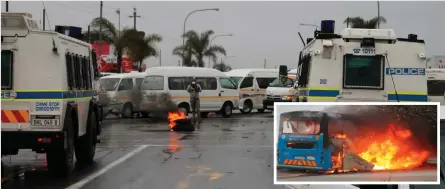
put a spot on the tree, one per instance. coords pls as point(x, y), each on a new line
point(222, 67)
point(197, 47)
point(141, 47)
point(110, 35)
point(127, 41)
point(359, 22)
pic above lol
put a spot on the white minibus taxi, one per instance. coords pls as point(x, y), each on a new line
point(219, 92)
point(120, 93)
point(252, 84)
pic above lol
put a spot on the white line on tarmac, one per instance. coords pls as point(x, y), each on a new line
point(91, 177)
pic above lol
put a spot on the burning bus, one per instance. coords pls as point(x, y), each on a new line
point(328, 142)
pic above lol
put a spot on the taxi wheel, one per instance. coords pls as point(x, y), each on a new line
point(127, 111)
point(226, 110)
point(247, 108)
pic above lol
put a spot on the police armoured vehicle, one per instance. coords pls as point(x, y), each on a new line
point(48, 102)
point(361, 65)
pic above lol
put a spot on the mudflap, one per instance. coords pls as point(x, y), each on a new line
point(352, 161)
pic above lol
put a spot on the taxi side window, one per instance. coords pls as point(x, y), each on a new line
point(247, 82)
point(126, 84)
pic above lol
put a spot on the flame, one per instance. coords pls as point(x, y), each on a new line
point(340, 136)
point(173, 116)
point(391, 150)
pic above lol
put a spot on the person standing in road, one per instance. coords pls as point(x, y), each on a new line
point(194, 89)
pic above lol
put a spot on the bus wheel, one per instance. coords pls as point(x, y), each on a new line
point(127, 111)
point(226, 110)
point(86, 144)
point(61, 161)
point(247, 108)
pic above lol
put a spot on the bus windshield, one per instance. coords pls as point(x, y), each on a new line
point(277, 83)
point(300, 126)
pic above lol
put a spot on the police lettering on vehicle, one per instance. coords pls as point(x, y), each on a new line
point(47, 106)
point(405, 71)
point(6, 94)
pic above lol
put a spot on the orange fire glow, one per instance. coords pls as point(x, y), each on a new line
point(173, 116)
point(391, 150)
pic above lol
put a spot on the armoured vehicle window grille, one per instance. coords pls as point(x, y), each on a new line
point(247, 82)
point(76, 72)
point(153, 83)
point(303, 76)
point(72, 70)
point(83, 62)
point(263, 82)
point(436, 87)
point(7, 69)
point(68, 71)
point(363, 72)
point(94, 63)
point(79, 72)
point(88, 71)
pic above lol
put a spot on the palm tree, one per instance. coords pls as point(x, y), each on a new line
point(110, 35)
point(222, 67)
point(141, 47)
point(359, 22)
point(197, 48)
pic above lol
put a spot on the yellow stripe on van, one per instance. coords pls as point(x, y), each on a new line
point(206, 97)
point(409, 93)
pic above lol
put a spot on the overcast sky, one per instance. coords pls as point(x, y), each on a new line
point(262, 30)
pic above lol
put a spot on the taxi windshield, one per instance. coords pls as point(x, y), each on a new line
point(300, 126)
point(109, 84)
point(277, 83)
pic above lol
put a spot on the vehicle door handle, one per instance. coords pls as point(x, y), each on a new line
point(222, 91)
point(252, 90)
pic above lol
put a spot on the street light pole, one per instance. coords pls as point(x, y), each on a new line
point(316, 26)
point(185, 21)
point(210, 44)
point(378, 15)
point(118, 11)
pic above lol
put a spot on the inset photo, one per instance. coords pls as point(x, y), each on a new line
point(356, 143)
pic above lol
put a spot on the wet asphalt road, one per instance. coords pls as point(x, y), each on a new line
point(224, 153)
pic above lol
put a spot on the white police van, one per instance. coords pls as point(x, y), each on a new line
point(47, 93)
point(361, 65)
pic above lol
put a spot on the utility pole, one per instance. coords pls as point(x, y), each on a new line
point(134, 17)
point(100, 30)
point(264, 63)
point(89, 36)
point(378, 15)
point(43, 26)
point(118, 11)
point(160, 57)
point(7, 6)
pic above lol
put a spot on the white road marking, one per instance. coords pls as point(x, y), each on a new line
point(91, 177)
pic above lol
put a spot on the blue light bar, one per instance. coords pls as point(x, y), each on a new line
point(327, 26)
